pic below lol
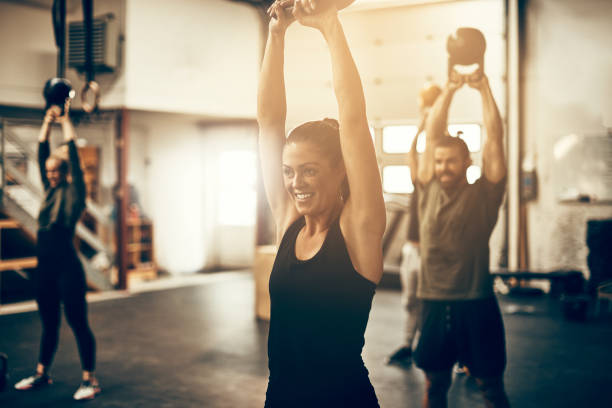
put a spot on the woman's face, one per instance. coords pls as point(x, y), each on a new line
point(54, 173)
point(311, 180)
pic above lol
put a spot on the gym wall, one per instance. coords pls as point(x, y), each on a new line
point(567, 90)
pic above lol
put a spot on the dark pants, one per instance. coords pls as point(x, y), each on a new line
point(469, 331)
point(60, 279)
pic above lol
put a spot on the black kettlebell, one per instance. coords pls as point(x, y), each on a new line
point(3, 371)
point(466, 47)
point(57, 91)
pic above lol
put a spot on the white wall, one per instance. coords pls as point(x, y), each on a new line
point(28, 54)
point(162, 150)
point(192, 56)
point(568, 89)
point(233, 245)
point(189, 56)
point(174, 167)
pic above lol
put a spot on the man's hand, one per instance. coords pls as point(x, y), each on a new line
point(480, 83)
point(280, 17)
point(455, 81)
point(318, 14)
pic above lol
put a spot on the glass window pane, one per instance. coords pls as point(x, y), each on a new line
point(421, 142)
point(470, 133)
point(397, 139)
point(473, 173)
point(396, 179)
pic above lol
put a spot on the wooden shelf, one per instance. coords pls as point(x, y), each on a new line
point(138, 247)
point(18, 263)
point(141, 262)
point(9, 224)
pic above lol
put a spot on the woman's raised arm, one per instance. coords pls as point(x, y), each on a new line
point(271, 116)
point(365, 208)
point(366, 203)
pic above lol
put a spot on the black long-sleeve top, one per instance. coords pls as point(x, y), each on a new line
point(63, 204)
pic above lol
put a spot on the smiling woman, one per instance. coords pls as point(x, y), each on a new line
point(329, 257)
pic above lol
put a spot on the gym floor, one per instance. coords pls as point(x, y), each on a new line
point(200, 346)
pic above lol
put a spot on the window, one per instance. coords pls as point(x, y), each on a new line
point(397, 139)
point(393, 145)
point(400, 138)
point(396, 179)
point(421, 142)
point(237, 188)
point(473, 173)
point(469, 132)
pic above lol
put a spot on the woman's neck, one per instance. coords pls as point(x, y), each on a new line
point(322, 221)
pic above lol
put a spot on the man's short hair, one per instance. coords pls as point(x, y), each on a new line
point(457, 142)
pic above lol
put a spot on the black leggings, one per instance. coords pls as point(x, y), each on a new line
point(60, 278)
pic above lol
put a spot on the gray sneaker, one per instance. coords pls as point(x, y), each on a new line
point(33, 382)
point(460, 369)
point(87, 391)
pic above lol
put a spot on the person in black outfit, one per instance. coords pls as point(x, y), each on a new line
point(60, 277)
point(411, 259)
point(324, 189)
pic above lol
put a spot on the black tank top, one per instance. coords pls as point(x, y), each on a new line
point(319, 313)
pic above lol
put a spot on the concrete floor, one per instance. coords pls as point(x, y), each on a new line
point(200, 346)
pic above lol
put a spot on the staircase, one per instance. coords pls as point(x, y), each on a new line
point(20, 199)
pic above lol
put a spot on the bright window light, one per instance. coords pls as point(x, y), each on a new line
point(372, 132)
point(237, 188)
point(421, 142)
point(470, 133)
point(473, 173)
point(396, 179)
point(397, 139)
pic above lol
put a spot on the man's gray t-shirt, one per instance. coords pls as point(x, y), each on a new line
point(455, 229)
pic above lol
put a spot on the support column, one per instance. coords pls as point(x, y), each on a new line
point(514, 136)
point(122, 194)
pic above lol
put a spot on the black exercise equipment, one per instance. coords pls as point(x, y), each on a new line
point(58, 90)
point(599, 259)
point(466, 47)
point(3, 371)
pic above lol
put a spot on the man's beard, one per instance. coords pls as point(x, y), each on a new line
point(450, 183)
